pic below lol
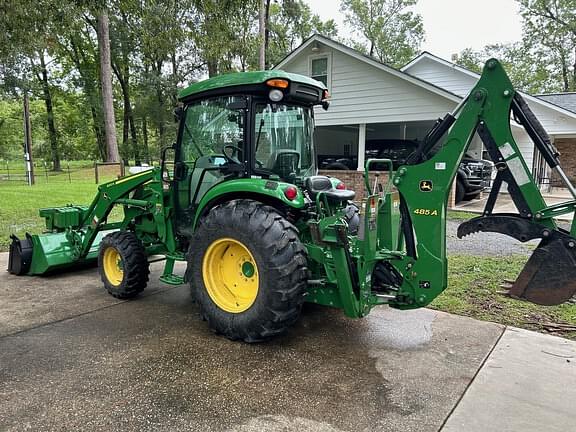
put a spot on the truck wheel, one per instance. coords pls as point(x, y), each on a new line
point(123, 265)
point(460, 191)
point(247, 271)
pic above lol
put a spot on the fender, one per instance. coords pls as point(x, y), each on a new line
point(248, 188)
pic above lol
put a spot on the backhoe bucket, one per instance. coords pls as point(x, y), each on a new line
point(549, 276)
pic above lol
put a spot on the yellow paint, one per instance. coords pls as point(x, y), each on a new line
point(130, 177)
point(113, 269)
point(426, 212)
point(230, 275)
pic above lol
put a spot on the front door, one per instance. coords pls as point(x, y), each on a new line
point(212, 137)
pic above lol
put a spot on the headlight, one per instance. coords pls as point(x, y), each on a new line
point(276, 95)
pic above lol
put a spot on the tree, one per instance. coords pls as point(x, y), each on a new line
point(26, 42)
point(392, 32)
point(525, 74)
point(112, 154)
point(549, 28)
point(291, 22)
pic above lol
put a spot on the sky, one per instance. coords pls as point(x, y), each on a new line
point(450, 25)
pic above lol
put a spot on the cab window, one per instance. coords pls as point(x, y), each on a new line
point(211, 125)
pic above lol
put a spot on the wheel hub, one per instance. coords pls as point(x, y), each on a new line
point(230, 274)
point(113, 266)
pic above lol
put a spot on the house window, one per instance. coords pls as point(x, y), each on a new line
point(320, 69)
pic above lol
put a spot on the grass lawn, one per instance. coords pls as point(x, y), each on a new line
point(473, 290)
point(473, 283)
point(19, 203)
point(458, 215)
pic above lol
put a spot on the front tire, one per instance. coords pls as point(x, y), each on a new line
point(247, 271)
point(123, 264)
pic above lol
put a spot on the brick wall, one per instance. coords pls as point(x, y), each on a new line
point(567, 149)
point(354, 180)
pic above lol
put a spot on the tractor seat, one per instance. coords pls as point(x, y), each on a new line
point(315, 184)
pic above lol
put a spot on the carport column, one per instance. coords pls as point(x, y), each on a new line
point(452, 195)
point(361, 145)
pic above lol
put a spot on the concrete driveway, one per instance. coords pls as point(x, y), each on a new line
point(504, 203)
point(74, 358)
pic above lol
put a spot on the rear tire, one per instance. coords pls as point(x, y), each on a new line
point(270, 299)
point(123, 264)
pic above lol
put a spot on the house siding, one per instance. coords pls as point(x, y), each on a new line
point(362, 93)
point(460, 83)
point(442, 76)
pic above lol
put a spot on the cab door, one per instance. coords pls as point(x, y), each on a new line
point(211, 140)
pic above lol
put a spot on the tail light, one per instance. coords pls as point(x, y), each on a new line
point(291, 192)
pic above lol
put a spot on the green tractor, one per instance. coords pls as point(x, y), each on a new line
point(239, 199)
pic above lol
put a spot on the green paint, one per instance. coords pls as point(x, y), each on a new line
point(247, 188)
point(248, 269)
point(245, 78)
point(341, 265)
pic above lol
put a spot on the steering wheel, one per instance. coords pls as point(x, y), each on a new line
point(236, 151)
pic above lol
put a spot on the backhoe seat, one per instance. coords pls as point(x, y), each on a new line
point(315, 184)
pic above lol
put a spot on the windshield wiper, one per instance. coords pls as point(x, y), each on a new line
point(258, 136)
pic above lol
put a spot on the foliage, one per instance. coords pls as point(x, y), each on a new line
point(550, 31)
point(545, 60)
point(524, 72)
point(50, 50)
point(291, 22)
point(393, 32)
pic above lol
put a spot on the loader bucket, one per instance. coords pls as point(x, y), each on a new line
point(549, 276)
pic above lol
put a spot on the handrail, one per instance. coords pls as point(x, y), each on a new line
point(367, 172)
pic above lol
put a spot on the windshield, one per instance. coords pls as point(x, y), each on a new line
point(283, 140)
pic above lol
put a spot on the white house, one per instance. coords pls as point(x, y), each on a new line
point(372, 102)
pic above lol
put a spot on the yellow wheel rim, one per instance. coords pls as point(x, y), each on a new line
point(113, 268)
point(230, 275)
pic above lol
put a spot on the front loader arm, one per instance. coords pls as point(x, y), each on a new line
point(109, 195)
point(424, 187)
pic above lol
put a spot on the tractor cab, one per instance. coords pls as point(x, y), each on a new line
point(247, 126)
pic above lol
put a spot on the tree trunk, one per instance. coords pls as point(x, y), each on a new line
point(145, 139)
point(266, 34)
point(107, 100)
point(134, 136)
point(50, 115)
point(262, 32)
point(212, 67)
point(157, 67)
point(28, 140)
point(78, 56)
point(573, 86)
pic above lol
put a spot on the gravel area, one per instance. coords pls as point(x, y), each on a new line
point(488, 244)
point(485, 244)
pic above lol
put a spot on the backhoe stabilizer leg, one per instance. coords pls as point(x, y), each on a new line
point(549, 276)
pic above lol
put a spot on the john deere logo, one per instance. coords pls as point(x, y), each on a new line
point(425, 185)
